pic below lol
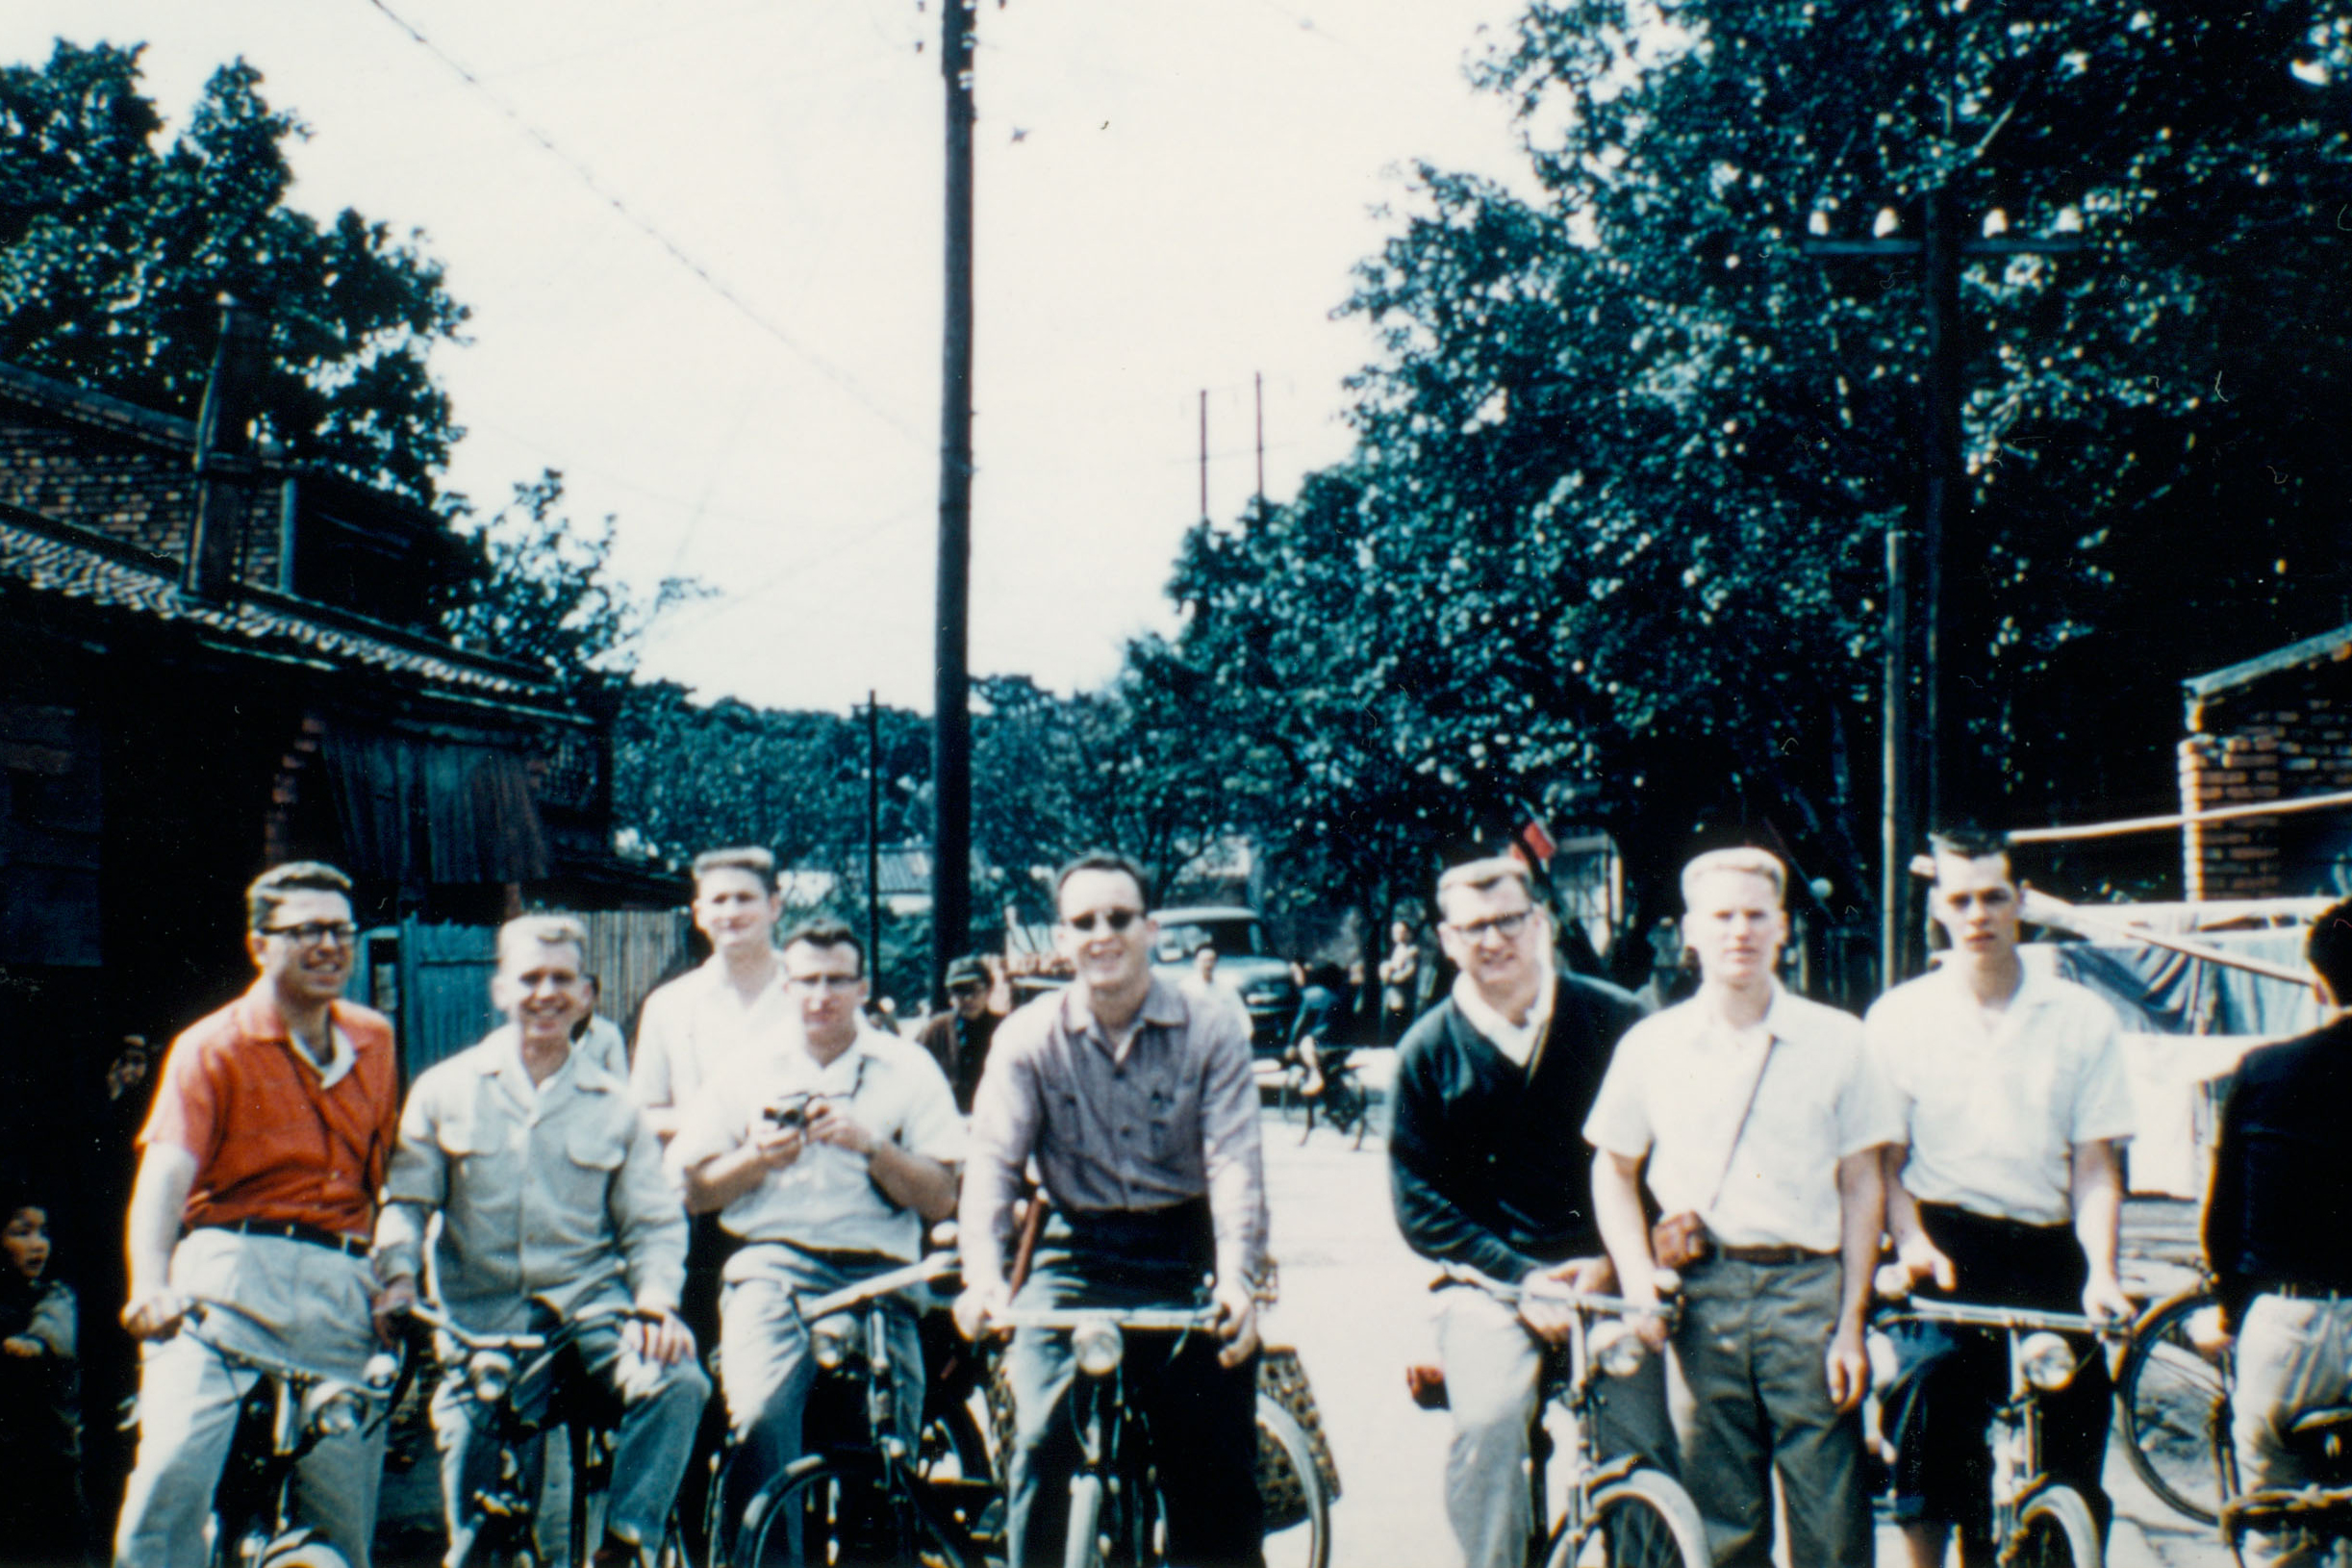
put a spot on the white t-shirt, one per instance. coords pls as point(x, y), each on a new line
point(1993, 1103)
point(826, 1199)
point(1674, 1094)
point(694, 1024)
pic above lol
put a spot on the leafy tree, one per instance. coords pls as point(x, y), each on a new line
point(543, 592)
point(115, 250)
point(1612, 539)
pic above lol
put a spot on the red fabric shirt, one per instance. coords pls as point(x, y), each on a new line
point(269, 1143)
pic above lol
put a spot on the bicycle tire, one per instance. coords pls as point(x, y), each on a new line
point(1083, 1547)
point(1308, 1542)
point(2054, 1530)
point(847, 1518)
point(2174, 1405)
point(1643, 1520)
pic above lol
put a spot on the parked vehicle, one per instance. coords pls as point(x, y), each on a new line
point(1246, 965)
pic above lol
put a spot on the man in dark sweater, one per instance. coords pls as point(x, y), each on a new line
point(2275, 1226)
point(1489, 1172)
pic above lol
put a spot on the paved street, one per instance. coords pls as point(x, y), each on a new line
point(1356, 1303)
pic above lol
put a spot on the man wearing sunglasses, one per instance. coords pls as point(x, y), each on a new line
point(1486, 1172)
point(1139, 1106)
point(824, 1148)
point(258, 1174)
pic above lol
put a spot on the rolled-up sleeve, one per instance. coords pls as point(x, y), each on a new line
point(650, 1223)
point(1006, 1117)
point(1233, 1157)
point(415, 1184)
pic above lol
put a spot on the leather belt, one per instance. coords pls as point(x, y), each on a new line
point(1771, 1257)
point(295, 1231)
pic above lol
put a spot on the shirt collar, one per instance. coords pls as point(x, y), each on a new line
point(1515, 1041)
point(260, 1020)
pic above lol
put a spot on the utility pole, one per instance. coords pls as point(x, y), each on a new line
point(1911, 750)
point(951, 695)
point(1257, 385)
point(1205, 454)
point(874, 833)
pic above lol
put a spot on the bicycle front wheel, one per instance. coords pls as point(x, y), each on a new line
point(1297, 1532)
point(2055, 1531)
point(1643, 1521)
point(2175, 1409)
point(827, 1508)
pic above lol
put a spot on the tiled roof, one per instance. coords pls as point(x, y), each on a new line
point(49, 557)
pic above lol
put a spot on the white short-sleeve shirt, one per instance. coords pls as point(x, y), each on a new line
point(1674, 1094)
point(691, 1025)
point(826, 1199)
point(1993, 1105)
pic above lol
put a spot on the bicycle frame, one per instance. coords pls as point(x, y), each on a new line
point(1115, 1453)
point(2018, 1472)
point(1572, 1383)
point(253, 1502)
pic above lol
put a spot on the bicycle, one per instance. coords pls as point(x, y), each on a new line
point(2317, 1516)
point(2174, 1401)
point(504, 1375)
point(1117, 1517)
point(1342, 1101)
point(2037, 1522)
point(865, 1495)
point(1618, 1512)
point(286, 1413)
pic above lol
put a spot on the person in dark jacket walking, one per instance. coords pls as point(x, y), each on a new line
point(2275, 1232)
point(1488, 1172)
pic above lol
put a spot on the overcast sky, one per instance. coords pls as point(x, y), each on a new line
point(1171, 194)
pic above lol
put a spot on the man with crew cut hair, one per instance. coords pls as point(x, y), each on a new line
point(2004, 1190)
point(1757, 1119)
point(257, 1185)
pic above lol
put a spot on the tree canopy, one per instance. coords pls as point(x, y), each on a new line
point(117, 247)
point(1611, 541)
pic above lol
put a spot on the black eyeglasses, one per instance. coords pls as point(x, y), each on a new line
point(1118, 920)
point(1503, 926)
point(310, 933)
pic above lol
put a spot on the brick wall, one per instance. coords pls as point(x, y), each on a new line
point(138, 493)
point(2277, 738)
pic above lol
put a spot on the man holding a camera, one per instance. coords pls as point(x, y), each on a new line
point(1758, 1118)
point(825, 1146)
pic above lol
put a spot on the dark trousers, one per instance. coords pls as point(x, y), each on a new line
point(1951, 1380)
point(1203, 1417)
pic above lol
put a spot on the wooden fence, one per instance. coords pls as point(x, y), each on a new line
point(433, 980)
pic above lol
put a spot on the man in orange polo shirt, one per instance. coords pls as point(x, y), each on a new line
point(255, 1204)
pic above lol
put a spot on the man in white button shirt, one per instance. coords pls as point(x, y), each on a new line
point(696, 1022)
point(824, 1151)
point(1759, 1112)
point(2005, 1191)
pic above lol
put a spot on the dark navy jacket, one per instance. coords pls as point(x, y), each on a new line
point(2280, 1206)
point(1487, 1164)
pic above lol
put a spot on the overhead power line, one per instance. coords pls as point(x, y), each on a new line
point(646, 227)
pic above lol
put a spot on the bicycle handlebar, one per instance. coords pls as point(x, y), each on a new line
point(1585, 1300)
point(1131, 1319)
point(2019, 1319)
point(434, 1318)
point(937, 1266)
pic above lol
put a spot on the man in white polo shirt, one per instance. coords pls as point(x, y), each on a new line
point(2004, 1190)
point(824, 1151)
point(1757, 1119)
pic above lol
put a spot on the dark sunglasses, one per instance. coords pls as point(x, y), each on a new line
point(1118, 920)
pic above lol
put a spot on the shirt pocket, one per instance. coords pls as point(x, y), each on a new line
point(1173, 1122)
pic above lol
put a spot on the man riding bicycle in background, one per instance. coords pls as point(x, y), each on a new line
point(1139, 1107)
point(825, 1146)
point(2006, 1191)
point(257, 1191)
point(2274, 1228)
point(554, 1206)
point(1486, 1172)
